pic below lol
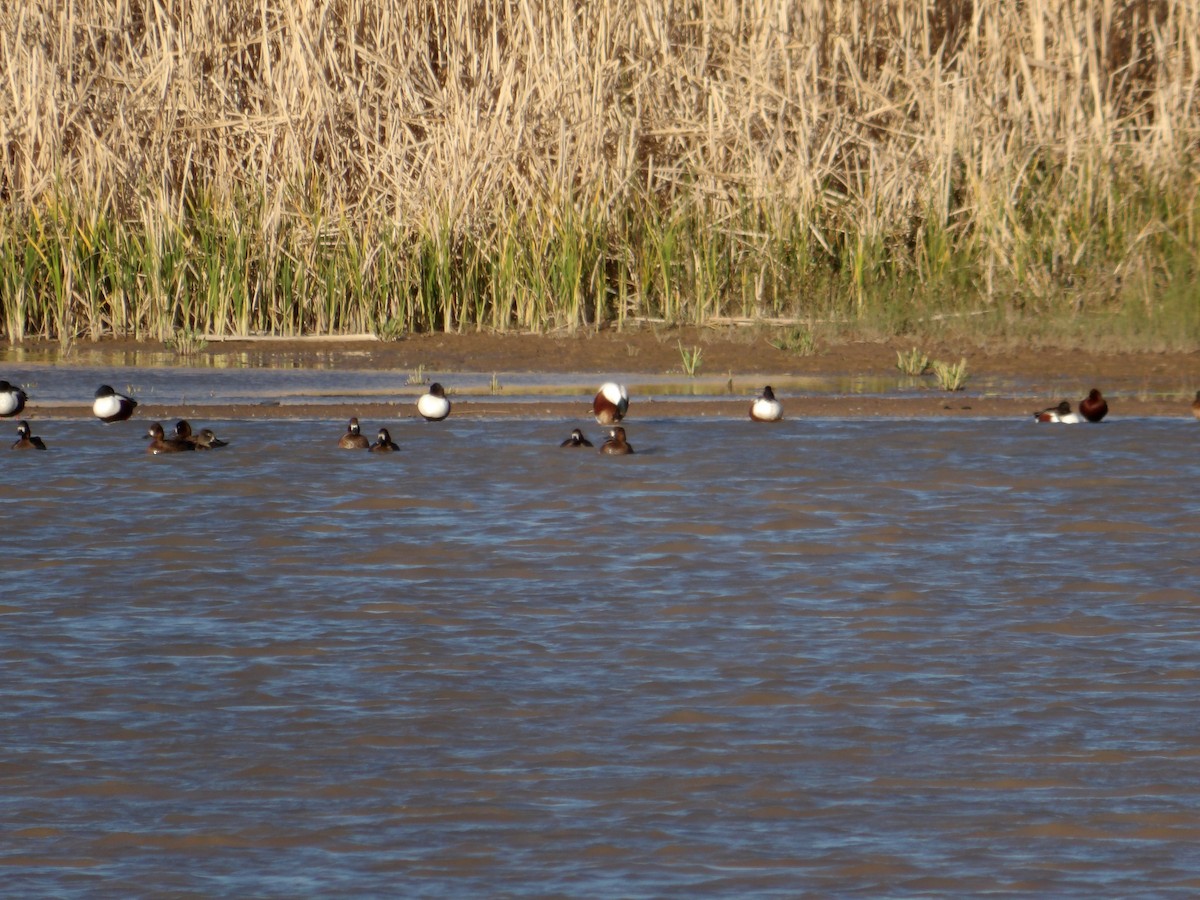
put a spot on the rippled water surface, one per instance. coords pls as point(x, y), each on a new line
point(839, 658)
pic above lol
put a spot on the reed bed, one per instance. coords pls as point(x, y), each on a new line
point(1017, 171)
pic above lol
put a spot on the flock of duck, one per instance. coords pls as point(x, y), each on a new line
point(609, 407)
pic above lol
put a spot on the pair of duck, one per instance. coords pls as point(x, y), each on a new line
point(182, 441)
point(354, 439)
point(616, 445)
point(611, 403)
point(1092, 408)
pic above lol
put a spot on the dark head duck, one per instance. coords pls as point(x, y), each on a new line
point(766, 408)
point(616, 444)
point(576, 440)
point(433, 404)
point(610, 403)
point(1093, 407)
point(109, 406)
point(384, 443)
point(25, 440)
point(354, 439)
point(12, 399)
point(160, 443)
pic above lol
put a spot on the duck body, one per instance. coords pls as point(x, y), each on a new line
point(354, 439)
point(610, 403)
point(433, 405)
point(616, 445)
point(25, 440)
point(1196, 406)
point(384, 443)
point(576, 440)
point(12, 400)
point(109, 406)
point(160, 443)
point(1061, 414)
point(1093, 407)
point(766, 408)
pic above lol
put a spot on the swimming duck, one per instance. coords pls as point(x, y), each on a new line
point(159, 443)
point(766, 408)
point(12, 399)
point(576, 440)
point(433, 404)
point(1061, 413)
point(611, 403)
point(26, 441)
point(205, 440)
point(384, 443)
point(616, 445)
point(353, 439)
point(109, 406)
point(1093, 407)
point(1196, 406)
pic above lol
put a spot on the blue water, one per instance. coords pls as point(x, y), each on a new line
point(826, 658)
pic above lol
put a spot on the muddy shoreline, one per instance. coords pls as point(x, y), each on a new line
point(1007, 383)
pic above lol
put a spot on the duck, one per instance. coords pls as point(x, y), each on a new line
point(12, 400)
point(576, 440)
point(109, 406)
point(384, 443)
point(1061, 413)
point(1093, 407)
point(616, 444)
point(160, 443)
point(1196, 406)
point(204, 440)
point(611, 403)
point(25, 440)
point(353, 439)
point(433, 404)
point(766, 408)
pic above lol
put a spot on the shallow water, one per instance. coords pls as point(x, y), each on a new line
point(861, 658)
point(264, 381)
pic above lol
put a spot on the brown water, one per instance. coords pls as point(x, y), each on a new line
point(862, 658)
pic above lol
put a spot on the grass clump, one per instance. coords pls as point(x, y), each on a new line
point(914, 362)
point(951, 376)
point(690, 358)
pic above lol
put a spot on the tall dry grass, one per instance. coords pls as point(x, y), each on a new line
point(352, 165)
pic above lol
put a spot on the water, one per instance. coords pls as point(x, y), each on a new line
point(864, 658)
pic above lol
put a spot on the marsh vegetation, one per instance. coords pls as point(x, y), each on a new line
point(1000, 172)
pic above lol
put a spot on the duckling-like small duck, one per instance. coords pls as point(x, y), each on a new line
point(1061, 413)
point(433, 404)
point(354, 439)
point(1093, 407)
point(616, 444)
point(12, 400)
point(109, 406)
point(205, 440)
point(25, 440)
point(384, 443)
point(576, 440)
point(160, 443)
point(610, 403)
point(766, 408)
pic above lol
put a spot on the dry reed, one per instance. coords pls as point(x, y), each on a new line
point(350, 166)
